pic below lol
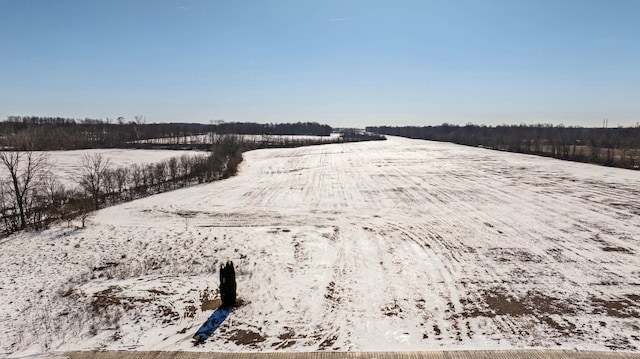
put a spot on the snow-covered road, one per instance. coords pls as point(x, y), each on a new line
point(394, 245)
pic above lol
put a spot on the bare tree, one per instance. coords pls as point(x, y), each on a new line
point(7, 213)
point(110, 185)
point(92, 176)
point(160, 173)
point(138, 124)
point(172, 166)
point(26, 172)
point(140, 119)
point(55, 196)
point(121, 177)
point(135, 177)
point(185, 167)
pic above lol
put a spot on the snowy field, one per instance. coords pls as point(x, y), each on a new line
point(66, 164)
point(386, 245)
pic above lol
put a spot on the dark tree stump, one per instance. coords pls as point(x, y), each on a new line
point(228, 285)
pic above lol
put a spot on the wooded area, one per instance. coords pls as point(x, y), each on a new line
point(617, 147)
point(56, 133)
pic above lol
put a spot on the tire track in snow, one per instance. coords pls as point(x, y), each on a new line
point(427, 250)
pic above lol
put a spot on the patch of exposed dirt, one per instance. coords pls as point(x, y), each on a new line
point(627, 307)
point(552, 311)
point(288, 334)
point(288, 339)
point(278, 230)
point(496, 301)
point(392, 309)
point(208, 299)
point(436, 330)
point(246, 337)
point(158, 292)
point(210, 304)
point(105, 266)
point(208, 294)
point(167, 314)
point(633, 297)
point(103, 301)
point(558, 255)
point(328, 342)
point(513, 255)
point(109, 297)
point(619, 343)
point(190, 311)
point(617, 249)
point(213, 304)
point(331, 295)
point(188, 214)
point(564, 327)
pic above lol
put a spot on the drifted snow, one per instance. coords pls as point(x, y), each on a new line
point(393, 245)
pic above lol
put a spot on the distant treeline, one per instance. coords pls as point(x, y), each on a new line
point(618, 147)
point(57, 133)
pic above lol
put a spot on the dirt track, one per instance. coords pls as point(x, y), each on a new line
point(481, 354)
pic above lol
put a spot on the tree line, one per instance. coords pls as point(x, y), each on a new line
point(31, 196)
point(618, 147)
point(57, 133)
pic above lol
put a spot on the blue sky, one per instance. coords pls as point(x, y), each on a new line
point(345, 63)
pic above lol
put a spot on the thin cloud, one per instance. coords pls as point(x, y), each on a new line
point(182, 7)
point(339, 19)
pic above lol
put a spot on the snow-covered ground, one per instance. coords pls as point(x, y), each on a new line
point(387, 245)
